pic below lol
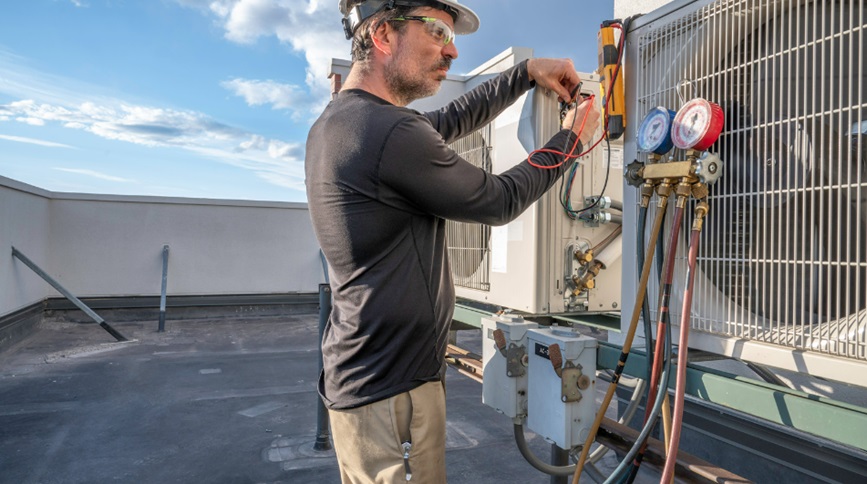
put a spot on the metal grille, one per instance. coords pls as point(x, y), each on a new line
point(469, 243)
point(782, 259)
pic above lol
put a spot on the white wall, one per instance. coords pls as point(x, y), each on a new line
point(23, 224)
point(626, 8)
point(104, 245)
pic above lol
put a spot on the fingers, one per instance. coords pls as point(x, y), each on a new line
point(558, 75)
point(584, 114)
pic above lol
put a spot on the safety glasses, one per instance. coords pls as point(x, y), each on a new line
point(439, 30)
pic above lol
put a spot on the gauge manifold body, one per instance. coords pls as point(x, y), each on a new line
point(654, 135)
point(697, 125)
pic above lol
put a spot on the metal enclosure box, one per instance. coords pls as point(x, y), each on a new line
point(565, 423)
point(504, 387)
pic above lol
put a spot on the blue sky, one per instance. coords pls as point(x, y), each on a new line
point(205, 98)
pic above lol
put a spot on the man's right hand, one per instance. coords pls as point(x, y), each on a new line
point(575, 118)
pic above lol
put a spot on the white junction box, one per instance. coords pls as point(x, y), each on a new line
point(562, 385)
point(504, 356)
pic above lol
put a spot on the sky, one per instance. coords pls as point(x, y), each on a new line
point(206, 98)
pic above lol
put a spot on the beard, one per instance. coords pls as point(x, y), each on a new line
point(408, 86)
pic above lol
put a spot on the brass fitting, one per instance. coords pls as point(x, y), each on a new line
point(700, 191)
point(587, 281)
point(646, 194)
point(684, 188)
point(664, 189)
point(583, 257)
point(701, 210)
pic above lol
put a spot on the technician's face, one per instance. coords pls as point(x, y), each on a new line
point(423, 57)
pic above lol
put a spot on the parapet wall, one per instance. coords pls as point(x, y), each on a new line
point(111, 246)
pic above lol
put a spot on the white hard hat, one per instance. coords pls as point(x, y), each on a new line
point(466, 21)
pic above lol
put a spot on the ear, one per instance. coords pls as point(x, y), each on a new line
point(384, 38)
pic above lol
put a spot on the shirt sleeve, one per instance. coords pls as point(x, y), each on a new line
point(419, 166)
point(482, 104)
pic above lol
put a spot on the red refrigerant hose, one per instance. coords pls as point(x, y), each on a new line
point(680, 390)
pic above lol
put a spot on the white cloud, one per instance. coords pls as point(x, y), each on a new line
point(161, 127)
point(310, 27)
point(94, 174)
point(30, 120)
point(44, 99)
point(279, 96)
point(78, 3)
point(34, 141)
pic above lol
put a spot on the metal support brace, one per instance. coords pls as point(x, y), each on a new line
point(162, 326)
point(559, 457)
point(68, 295)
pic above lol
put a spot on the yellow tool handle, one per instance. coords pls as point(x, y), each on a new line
point(612, 92)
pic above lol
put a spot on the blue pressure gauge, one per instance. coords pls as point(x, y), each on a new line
point(654, 135)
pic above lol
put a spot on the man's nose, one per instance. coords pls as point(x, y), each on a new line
point(450, 50)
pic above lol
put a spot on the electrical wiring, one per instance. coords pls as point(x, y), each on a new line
point(565, 197)
point(566, 156)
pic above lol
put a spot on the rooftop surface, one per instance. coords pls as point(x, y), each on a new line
point(225, 400)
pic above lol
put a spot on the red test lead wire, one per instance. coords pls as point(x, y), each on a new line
point(565, 156)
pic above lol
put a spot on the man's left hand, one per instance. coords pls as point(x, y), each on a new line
point(557, 75)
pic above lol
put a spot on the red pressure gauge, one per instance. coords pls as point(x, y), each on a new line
point(697, 125)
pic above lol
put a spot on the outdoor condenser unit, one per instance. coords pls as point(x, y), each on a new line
point(782, 266)
point(528, 264)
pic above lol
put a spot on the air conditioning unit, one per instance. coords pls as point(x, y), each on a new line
point(782, 268)
point(528, 265)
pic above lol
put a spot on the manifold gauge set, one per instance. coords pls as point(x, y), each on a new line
point(696, 126)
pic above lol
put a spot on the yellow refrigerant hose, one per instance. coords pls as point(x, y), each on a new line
point(630, 336)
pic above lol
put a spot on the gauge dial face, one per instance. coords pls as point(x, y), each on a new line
point(655, 131)
point(697, 125)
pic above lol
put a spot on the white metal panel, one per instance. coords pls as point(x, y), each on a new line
point(528, 260)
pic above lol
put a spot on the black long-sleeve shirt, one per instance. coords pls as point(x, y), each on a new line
point(381, 181)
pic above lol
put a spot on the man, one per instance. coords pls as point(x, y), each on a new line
point(381, 181)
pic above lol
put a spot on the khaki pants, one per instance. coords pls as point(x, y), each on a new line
point(368, 440)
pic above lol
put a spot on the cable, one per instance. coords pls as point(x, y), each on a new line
point(566, 156)
point(566, 199)
point(534, 461)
